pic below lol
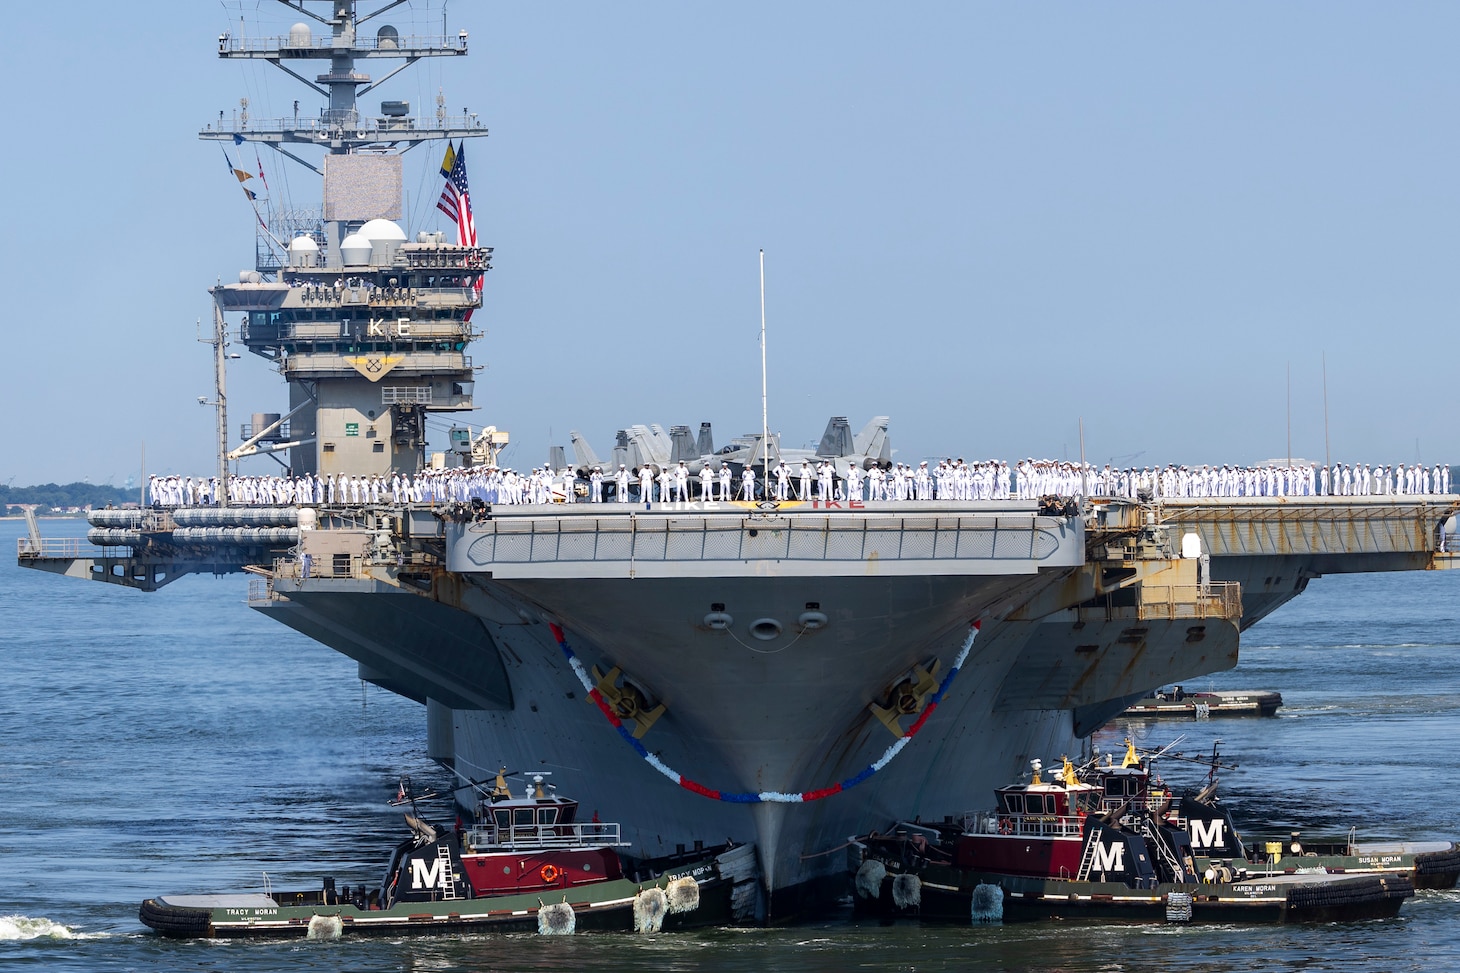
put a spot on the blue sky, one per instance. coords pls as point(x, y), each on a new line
point(988, 221)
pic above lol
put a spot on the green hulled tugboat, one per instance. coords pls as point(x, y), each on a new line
point(1216, 841)
point(526, 864)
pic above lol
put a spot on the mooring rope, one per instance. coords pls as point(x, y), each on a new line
point(766, 797)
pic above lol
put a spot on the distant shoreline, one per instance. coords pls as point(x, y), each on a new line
point(49, 517)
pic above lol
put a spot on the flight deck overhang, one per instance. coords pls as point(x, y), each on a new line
point(704, 540)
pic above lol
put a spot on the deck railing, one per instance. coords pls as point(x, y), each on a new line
point(534, 836)
point(54, 547)
point(1220, 599)
point(1023, 825)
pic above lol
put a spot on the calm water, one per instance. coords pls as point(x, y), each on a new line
point(181, 742)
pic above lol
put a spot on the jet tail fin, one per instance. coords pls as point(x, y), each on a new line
point(681, 445)
point(873, 437)
point(705, 444)
point(837, 440)
point(582, 452)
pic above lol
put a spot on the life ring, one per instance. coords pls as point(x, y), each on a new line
point(1005, 826)
point(550, 873)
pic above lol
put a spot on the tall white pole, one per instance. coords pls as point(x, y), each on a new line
point(1290, 413)
point(765, 423)
point(220, 347)
point(1327, 454)
point(1084, 481)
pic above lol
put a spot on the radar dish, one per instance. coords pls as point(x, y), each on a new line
point(299, 36)
point(387, 38)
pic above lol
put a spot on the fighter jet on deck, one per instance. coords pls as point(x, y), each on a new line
point(650, 445)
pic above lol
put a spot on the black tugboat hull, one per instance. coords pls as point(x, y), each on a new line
point(1435, 868)
point(956, 896)
point(599, 906)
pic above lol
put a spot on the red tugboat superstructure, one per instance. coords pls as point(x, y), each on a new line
point(1039, 828)
point(534, 843)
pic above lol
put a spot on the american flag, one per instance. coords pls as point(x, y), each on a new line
point(455, 202)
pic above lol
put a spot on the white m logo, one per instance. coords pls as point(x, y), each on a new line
point(1206, 834)
point(1108, 858)
point(428, 874)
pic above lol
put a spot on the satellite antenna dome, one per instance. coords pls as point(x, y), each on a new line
point(303, 252)
point(387, 38)
point(382, 231)
point(385, 239)
point(355, 250)
point(299, 36)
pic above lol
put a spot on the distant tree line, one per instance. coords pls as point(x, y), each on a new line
point(56, 495)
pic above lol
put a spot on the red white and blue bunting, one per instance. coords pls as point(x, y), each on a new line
point(765, 797)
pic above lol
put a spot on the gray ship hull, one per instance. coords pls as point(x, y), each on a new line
point(790, 711)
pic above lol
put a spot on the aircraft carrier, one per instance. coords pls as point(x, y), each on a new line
point(783, 673)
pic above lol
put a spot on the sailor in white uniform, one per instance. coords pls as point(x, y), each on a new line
point(681, 481)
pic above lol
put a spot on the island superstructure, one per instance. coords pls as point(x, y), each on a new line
point(370, 328)
point(784, 673)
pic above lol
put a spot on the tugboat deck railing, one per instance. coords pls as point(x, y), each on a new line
point(1006, 824)
point(541, 837)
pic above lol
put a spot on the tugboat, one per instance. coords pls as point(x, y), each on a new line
point(1093, 845)
point(1216, 841)
point(526, 863)
point(1228, 702)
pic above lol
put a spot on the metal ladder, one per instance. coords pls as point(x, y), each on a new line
point(1088, 856)
point(1157, 841)
point(448, 876)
